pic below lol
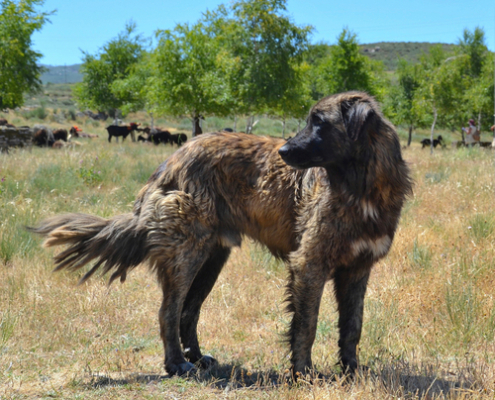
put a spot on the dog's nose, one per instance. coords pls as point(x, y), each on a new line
point(284, 151)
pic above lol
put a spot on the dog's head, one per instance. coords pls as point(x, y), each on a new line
point(338, 129)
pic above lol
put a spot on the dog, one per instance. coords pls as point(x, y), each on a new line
point(327, 201)
point(436, 142)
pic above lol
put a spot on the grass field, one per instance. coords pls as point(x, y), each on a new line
point(429, 329)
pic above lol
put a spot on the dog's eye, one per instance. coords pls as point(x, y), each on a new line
point(316, 119)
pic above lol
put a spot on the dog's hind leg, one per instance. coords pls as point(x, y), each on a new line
point(180, 240)
point(200, 289)
point(350, 288)
point(176, 277)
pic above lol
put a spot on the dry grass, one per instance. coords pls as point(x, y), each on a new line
point(429, 318)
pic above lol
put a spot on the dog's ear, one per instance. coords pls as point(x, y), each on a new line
point(356, 115)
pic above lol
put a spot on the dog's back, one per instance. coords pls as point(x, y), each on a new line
point(241, 179)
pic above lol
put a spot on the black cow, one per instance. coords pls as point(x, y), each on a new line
point(161, 137)
point(156, 136)
point(436, 142)
point(115, 130)
point(178, 138)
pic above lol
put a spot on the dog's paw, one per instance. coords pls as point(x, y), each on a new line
point(181, 369)
point(206, 362)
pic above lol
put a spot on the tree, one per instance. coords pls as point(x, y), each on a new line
point(441, 88)
point(268, 50)
point(477, 74)
point(296, 100)
point(346, 69)
point(399, 103)
point(472, 44)
point(19, 68)
point(189, 76)
point(315, 56)
point(132, 89)
point(113, 63)
point(479, 96)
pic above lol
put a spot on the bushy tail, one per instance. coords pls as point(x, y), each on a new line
point(116, 244)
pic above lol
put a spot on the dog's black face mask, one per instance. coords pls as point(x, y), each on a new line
point(329, 138)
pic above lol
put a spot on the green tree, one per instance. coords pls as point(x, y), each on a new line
point(189, 74)
point(267, 50)
point(476, 67)
point(346, 69)
point(113, 63)
point(296, 100)
point(441, 88)
point(132, 88)
point(453, 86)
point(19, 69)
point(399, 103)
point(472, 44)
point(315, 56)
point(479, 96)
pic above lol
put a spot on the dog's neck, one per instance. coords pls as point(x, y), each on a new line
point(349, 180)
point(374, 183)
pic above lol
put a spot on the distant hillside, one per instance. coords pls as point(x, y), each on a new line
point(390, 52)
point(61, 74)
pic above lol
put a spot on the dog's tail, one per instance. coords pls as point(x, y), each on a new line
point(117, 244)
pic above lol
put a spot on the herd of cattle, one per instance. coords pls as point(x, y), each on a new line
point(155, 135)
point(43, 136)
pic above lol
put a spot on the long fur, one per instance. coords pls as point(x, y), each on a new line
point(327, 201)
point(116, 244)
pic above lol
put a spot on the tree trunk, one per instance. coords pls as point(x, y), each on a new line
point(196, 126)
point(249, 123)
point(462, 134)
point(479, 122)
point(298, 125)
point(152, 121)
point(115, 117)
point(433, 128)
point(283, 128)
point(409, 138)
point(235, 123)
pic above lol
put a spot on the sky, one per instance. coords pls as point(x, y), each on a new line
point(87, 25)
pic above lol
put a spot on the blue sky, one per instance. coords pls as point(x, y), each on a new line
point(87, 25)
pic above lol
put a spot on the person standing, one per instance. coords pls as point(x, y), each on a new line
point(471, 132)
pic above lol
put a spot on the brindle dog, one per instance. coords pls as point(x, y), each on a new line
point(327, 201)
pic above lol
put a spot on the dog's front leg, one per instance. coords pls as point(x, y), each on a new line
point(350, 288)
point(304, 290)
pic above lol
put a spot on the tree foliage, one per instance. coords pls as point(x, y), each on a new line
point(100, 72)
point(189, 73)
point(399, 102)
point(458, 87)
point(248, 57)
point(19, 68)
point(270, 48)
point(346, 69)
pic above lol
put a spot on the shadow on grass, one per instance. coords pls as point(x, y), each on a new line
point(404, 379)
point(221, 377)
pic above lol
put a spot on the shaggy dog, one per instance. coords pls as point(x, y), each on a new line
point(327, 201)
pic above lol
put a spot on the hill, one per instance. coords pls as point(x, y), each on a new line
point(61, 74)
point(390, 52)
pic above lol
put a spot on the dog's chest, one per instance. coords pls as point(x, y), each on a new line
point(341, 235)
